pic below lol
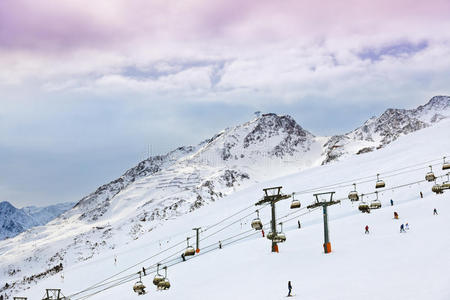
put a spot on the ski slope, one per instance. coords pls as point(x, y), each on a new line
point(385, 264)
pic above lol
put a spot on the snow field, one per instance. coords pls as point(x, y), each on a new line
point(382, 265)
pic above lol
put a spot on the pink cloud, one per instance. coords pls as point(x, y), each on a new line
point(47, 24)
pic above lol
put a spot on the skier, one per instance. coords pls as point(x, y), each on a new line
point(435, 212)
point(421, 195)
point(299, 225)
point(395, 215)
point(392, 202)
point(183, 257)
point(402, 228)
point(262, 231)
point(115, 260)
point(289, 288)
point(407, 226)
point(367, 229)
point(220, 245)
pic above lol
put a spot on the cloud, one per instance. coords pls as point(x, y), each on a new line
point(82, 78)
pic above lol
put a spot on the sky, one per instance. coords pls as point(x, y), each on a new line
point(89, 88)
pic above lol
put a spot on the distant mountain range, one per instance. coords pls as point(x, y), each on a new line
point(14, 221)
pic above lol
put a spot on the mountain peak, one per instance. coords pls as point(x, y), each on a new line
point(436, 103)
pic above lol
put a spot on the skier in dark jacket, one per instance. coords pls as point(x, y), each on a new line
point(435, 212)
point(299, 225)
point(402, 228)
point(392, 202)
point(289, 288)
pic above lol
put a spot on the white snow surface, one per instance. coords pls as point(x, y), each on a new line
point(385, 264)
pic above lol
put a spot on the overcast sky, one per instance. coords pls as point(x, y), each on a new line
point(86, 86)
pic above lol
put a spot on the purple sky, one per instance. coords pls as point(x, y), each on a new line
point(92, 83)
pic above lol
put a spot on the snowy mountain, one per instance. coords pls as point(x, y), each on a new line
point(165, 196)
point(190, 177)
point(377, 132)
point(14, 221)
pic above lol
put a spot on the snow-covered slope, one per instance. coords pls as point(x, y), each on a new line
point(45, 214)
point(14, 221)
point(158, 198)
point(382, 265)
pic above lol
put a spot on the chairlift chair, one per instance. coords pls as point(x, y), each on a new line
point(158, 277)
point(375, 204)
point(437, 188)
point(353, 195)
point(363, 206)
point(190, 251)
point(430, 175)
point(139, 287)
point(295, 203)
point(280, 237)
point(446, 184)
point(380, 183)
point(445, 165)
point(256, 223)
point(164, 284)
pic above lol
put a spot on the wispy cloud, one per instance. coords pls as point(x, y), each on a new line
point(82, 75)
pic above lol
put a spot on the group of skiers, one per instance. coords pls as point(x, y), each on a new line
point(403, 227)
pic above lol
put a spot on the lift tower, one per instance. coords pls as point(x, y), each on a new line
point(197, 241)
point(324, 203)
point(273, 195)
point(53, 294)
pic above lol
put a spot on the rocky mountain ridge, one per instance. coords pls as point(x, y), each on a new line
point(377, 132)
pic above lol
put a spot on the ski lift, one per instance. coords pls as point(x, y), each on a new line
point(375, 204)
point(446, 184)
point(164, 284)
point(430, 175)
point(139, 287)
point(380, 183)
point(256, 223)
point(363, 206)
point(445, 165)
point(353, 195)
point(437, 188)
point(277, 237)
point(280, 237)
point(295, 203)
point(158, 277)
point(190, 251)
